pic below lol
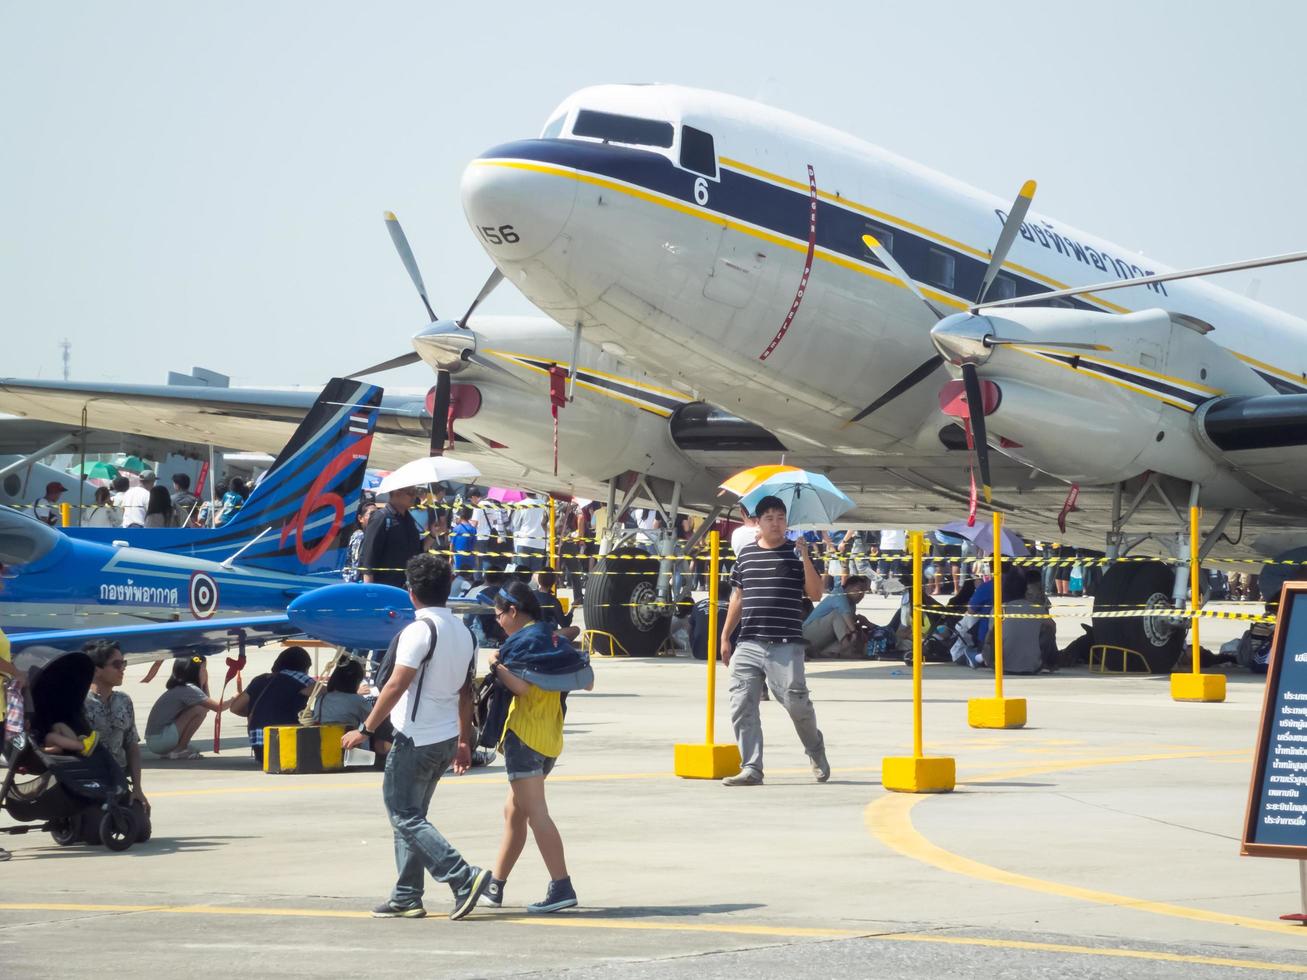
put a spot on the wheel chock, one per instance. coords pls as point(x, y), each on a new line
point(303, 749)
point(918, 774)
point(1198, 687)
point(704, 761)
point(996, 712)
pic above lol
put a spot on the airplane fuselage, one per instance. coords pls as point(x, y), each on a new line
point(719, 242)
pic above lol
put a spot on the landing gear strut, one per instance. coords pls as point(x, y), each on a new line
point(1138, 587)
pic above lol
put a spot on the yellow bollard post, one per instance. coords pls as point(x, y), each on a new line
point(998, 711)
point(553, 538)
point(1195, 685)
point(66, 514)
point(710, 760)
point(917, 773)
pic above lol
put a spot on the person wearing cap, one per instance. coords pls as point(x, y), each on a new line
point(46, 509)
point(390, 539)
point(136, 501)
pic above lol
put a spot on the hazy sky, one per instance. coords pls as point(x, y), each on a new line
point(186, 183)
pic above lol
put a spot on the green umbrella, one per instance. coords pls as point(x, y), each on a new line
point(97, 470)
point(132, 464)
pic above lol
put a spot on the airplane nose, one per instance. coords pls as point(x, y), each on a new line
point(515, 208)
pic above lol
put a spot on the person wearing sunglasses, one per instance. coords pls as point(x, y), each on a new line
point(111, 714)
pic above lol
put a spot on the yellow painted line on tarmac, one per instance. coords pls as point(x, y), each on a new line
point(567, 921)
point(889, 819)
point(1111, 951)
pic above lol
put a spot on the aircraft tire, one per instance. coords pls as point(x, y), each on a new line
point(618, 600)
point(1138, 585)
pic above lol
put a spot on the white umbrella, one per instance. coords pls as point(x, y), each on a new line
point(428, 469)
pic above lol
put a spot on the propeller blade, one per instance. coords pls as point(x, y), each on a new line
point(914, 377)
point(882, 253)
point(994, 342)
point(1006, 237)
point(495, 279)
point(1103, 287)
point(406, 256)
point(403, 360)
point(440, 415)
point(976, 416)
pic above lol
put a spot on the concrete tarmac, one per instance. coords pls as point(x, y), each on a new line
point(1102, 839)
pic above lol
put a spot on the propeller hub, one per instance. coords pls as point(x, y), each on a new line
point(963, 338)
point(445, 345)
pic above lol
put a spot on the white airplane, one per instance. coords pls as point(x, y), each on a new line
point(828, 291)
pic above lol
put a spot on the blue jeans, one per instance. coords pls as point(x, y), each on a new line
point(412, 772)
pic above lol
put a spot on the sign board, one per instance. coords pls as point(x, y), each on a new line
point(1276, 822)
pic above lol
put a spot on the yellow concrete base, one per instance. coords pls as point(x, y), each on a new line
point(929, 774)
point(300, 749)
point(996, 712)
point(1197, 687)
point(703, 761)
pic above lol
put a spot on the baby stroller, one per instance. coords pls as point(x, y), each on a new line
point(75, 798)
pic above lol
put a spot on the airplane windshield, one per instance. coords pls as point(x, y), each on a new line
point(23, 539)
point(554, 128)
point(612, 128)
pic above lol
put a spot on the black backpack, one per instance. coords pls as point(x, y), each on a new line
point(388, 663)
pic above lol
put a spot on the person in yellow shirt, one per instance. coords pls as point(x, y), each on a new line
point(531, 743)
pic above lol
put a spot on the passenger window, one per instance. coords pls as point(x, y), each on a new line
point(612, 128)
point(697, 152)
point(555, 128)
point(1062, 304)
point(939, 268)
point(1003, 287)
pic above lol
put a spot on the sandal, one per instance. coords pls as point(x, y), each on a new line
point(184, 754)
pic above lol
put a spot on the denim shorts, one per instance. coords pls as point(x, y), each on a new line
point(521, 761)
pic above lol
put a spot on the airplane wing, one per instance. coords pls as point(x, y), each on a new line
point(152, 641)
point(257, 419)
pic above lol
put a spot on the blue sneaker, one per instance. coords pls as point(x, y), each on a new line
point(560, 895)
point(466, 900)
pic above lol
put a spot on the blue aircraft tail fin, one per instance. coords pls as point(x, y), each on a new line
point(296, 514)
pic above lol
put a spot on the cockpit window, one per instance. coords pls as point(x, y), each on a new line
point(23, 539)
point(612, 128)
point(555, 127)
point(697, 152)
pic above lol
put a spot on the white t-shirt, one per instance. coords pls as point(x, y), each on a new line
point(529, 526)
point(482, 523)
point(743, 535)
point(135, 502)
point(445, 674)
point(893, 539)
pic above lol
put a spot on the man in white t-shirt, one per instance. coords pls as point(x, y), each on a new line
point(136, 501)
point(428, 699)
point(530, 539)
point(746, 533)
point(485, 530)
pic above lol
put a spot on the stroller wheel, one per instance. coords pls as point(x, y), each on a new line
point(118, 828)
point(64, 832)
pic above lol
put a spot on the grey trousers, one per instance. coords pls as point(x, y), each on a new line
point(780, 667)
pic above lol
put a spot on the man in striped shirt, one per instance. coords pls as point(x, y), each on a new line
point(770, 579)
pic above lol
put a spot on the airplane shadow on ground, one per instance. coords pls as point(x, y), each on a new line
point(155, 847)
point(242, 761)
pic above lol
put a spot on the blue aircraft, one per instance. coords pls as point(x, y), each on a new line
point(285, 541)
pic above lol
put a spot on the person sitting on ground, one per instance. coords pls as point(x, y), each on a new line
point(485, 630)
point(834, 628)
point(177, 715)
point(551, 610)
point(111, 715)
point(344, 703)
point(1021, 626)
point(275, 698)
